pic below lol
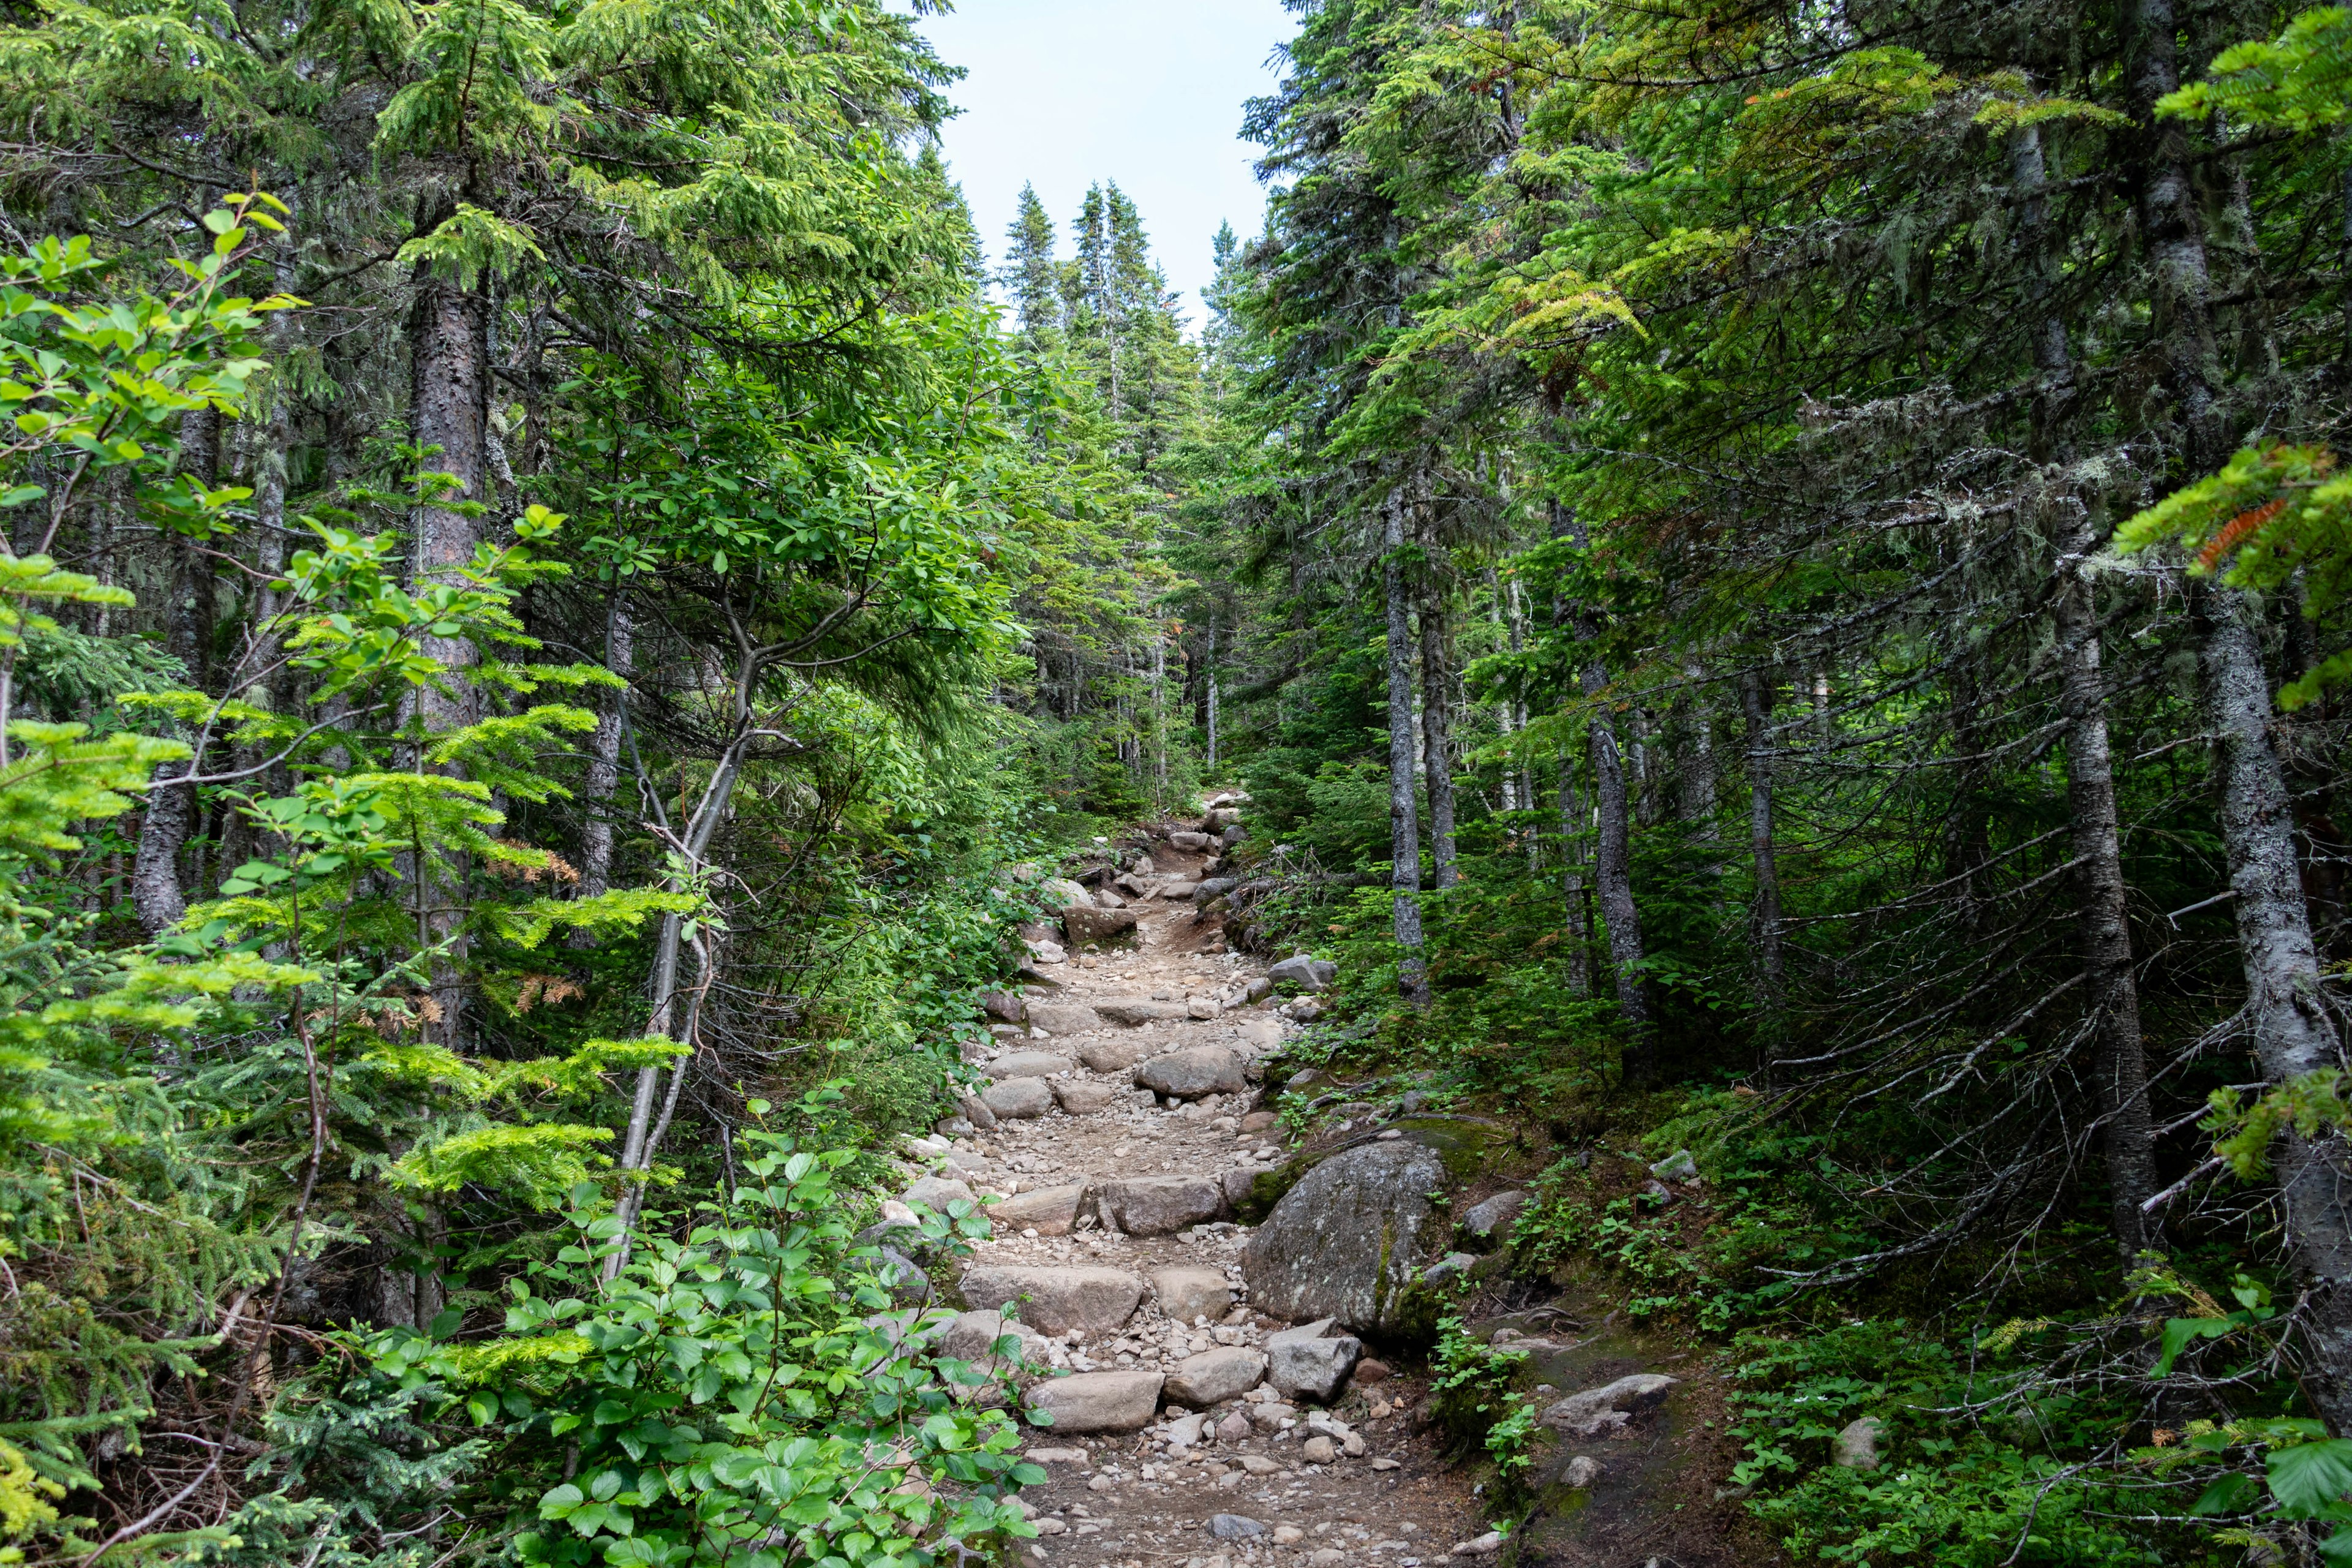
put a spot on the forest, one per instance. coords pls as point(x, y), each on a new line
point(1773, 576)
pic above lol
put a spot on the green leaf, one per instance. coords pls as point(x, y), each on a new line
point(2310, 1478)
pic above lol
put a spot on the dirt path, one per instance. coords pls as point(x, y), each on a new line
point(1137, 1477)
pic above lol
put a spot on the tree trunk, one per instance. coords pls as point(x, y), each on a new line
point(1697, 795)
point(1764, 920)
point(1437, 735)
point(2293, 1034)
point(1404, 821)
point(1613, 861)
point(1572, 824)
point(2128, 1139)
point(448, 410)
point(604, 757)
point(155, 888)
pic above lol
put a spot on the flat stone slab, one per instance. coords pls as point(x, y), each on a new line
point(1113, 1055)
point(1189, 1290)
point(1191, 1074)
point(1596, 1412)
point(1133, 1010)
point(1019, 1098)
point(1028, 1064)
point(1085, 925)
point(1055, 1301)
point(1062, 1017)
point(1078, 1098)
point(1214, 1376)
point(1156, 1206)
point(1098, 1401)
point(1051, 1210)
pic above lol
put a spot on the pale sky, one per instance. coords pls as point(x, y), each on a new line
point(1062, 94)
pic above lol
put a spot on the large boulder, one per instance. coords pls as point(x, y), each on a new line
point(1189, 1290)
point(1110, 1054)
point(1050, 1210)
point(1156, 1206)
point(1347, 1240)
point(1232, 835)
point(1133, 1010)
point(1055, 1301)
point(1213, 888)
point(1190, 1074)
point(1188, 841)
point(1061, 893)
point(1004, 1006)
point(1307, 974)
point(1028, 1064)
point(1091, 925)
point(1062, 1017)
point(1214, 1376)
point(1178, 888)
point(1311, 1360)
point(1098, 1401)
point(1018, 1099)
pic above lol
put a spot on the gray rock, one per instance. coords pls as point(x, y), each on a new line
point(1219, 818)
point(1855, 1447)
point(1155, 1205)
point(1051, 1210)
point(1214, 888)
point(1188, 841)
point(1214, 1376)
point(1346, 1241)
point(1098, 1401)
point(1318, 1450)
point(1019, 1100)
point(1186, 1292)
point(1005, 1007)
point(953, 1127)
point(1064, 1017)
point(1190, 1074)
point(1133, 1010)
point(903, 1278)
point(1233, 1526)
point(1179, 889)
point(1452, 1265)
point(1232, 835)
point(1204, 1007)
point(1096, 925)
point(1028, 1064)
point(1113, 1054)
point(1494, 1216)
point(1048, 952)
point(1677, 1166)
point(1258, 990)
point(1062, 894)
point(1311, 1362)
point(1597, 1411)
point(1239, 1183)
point(1077, 1096)
point(935, 1193)
point(1055, 1301)
point(1234, 1428)
point(974, 1110)
point(1307, 974)
point(1581, 1471)
point(973, 1337)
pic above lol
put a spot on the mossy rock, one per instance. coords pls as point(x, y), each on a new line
point(1464, 1145)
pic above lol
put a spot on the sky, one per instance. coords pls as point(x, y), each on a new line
point(1064, 93)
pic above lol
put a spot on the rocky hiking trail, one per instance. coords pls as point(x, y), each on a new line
point(1213, 1400)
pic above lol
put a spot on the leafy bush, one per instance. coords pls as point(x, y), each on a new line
point(740, 1397)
